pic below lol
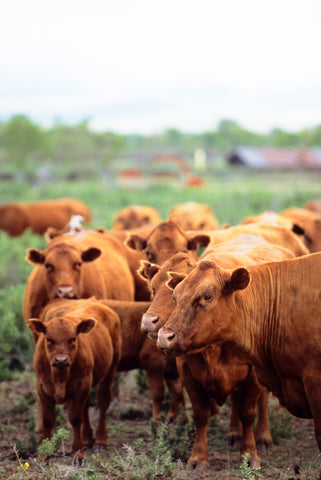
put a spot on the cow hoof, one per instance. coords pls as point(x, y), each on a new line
point(199, 467)
point(100, 447)
point(79, 462)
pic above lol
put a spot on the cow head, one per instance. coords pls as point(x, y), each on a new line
point(162, 302)
point(165, 240)
point(63, 267)
point(60, 346)
point(204, 309)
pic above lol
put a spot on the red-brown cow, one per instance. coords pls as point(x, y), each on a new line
point(195, 216)
point(135, 216)
point(79, 347)
point(166, 239)
point(218, 372)
point(78, 266)
point(271, 312)
point(16, 217)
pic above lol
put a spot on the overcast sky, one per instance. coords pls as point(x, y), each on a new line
point(140, 66)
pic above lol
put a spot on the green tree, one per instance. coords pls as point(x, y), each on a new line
point(20, 138)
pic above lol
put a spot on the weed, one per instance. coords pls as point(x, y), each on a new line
point(49, 446)
point(249, 473)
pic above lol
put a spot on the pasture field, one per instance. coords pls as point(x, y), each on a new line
point(233, 194)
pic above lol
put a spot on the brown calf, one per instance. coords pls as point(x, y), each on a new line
point(78, 347)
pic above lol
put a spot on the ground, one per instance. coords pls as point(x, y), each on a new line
point(294, 455)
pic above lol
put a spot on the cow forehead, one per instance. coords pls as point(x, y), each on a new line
point(61, 328)
point(62, 251)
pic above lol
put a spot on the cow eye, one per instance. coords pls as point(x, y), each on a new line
point(50, 341)
point(48, 266)
point(77, 265)
point(72, 340)
point(207, 297)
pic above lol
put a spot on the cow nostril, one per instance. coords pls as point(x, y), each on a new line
point(61, 361)
point(154, 319)
point(170, 336)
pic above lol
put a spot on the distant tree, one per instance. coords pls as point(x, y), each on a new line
point(20, 138)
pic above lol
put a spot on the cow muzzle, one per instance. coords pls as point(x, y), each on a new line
point(61, 362)
point(65, 291)
point(167, 341)
point(151, 324)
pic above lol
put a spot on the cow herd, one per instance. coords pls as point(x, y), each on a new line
point(216, 312)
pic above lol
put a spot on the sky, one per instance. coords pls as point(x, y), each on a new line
point(141, 66)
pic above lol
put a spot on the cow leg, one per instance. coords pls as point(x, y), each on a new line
point(246, 398)
point(87, 432)
point(235, 430)
point(313, 393)
point(201, 415)
point(48, 414)
point(76, 409)
point(104, 396)
point(262, 433)
point(175, 389)
point(155, 381)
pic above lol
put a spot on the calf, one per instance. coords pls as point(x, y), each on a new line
point(218, 372)
point(78, 347)
point(271, 312)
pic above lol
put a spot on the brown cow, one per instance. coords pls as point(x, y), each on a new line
point(270, 312)
point(78, 266)
point(166, 239)
point(16, 217)
point(79, 347)
point(195, 216)
point(135, 216)
point(218, 372)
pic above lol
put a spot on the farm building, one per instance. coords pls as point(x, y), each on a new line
point(275, 157)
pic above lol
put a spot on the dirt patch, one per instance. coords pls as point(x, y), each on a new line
point(294, 455)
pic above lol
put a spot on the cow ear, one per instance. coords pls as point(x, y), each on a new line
point(174, 279)
point(35, 256)
point(85, 326)
point(90, 254)
point(36, 326)
point(147, 270)
point(239, 280)
point(198, 241)
point(135, 242)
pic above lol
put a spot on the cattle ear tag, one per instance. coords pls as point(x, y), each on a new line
point(239, 280)
point(85, 326)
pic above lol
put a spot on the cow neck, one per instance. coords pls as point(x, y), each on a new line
point(257, 311)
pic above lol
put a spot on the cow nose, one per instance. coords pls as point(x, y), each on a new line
point(61, 362)
point(166, 337)
point(150, 323)
point(65, 291)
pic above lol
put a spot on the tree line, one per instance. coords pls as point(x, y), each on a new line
point(21, 139)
